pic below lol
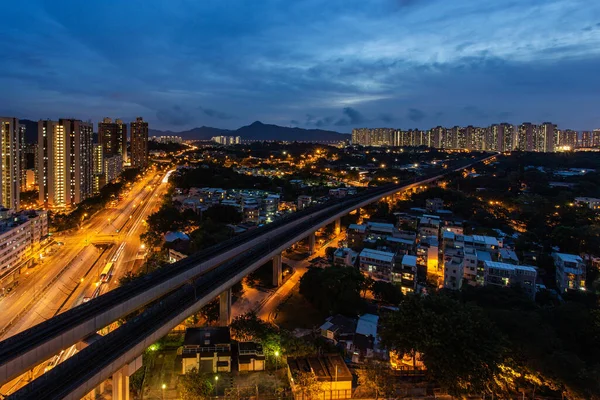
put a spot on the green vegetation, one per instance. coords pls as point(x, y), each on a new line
point(195, 385)
point(334, 290)
point(494, 340)
point(276, 342)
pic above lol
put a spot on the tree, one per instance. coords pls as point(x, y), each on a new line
point(386, 292)
point(194, 385)
point(307, 384)
point(334, 290)
point(375, 380)
point(460, 347)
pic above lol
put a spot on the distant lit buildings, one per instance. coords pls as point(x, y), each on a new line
point(167, 139)
point(65, 162)
point(570, 272)
point(590, 202)
point(226, 140)
point(503, 137)
point(112, 136)
point(10, 165)
point(510, 275)
point(139, 143)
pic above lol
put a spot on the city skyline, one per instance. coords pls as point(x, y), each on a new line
point(403, 63)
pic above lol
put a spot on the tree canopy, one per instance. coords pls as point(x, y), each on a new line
point(334, 290)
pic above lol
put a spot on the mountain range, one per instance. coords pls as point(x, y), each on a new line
point(254, 131)
point(258, 131)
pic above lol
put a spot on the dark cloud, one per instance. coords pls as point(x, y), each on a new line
point(175, 115)
point(216, 114)
point(475, 112)
point(352, 117)
point(294, 122)
point(416, 115)
point(387, 118)
point(324, 122)
point(505, 114)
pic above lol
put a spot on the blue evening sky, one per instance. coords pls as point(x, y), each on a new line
point(335, 64)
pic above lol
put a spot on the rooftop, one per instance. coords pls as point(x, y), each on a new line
point(568, 257)
point(377, 255)
point(326, 368)
point(367, 325)
point(509, 267)
point(409, 260)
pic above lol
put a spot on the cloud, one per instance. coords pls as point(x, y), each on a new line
point(174, 115)
point(475, 112)
point(324, 122)
point(294, 122)
point(387, 118)
point(352, 117)
point(215, 114)
point(415, 115)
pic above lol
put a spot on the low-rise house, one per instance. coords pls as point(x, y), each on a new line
point(331, 372)
point(345, 256)
point(434, 204)
point(377, 264)
point(453, 269)
point(570, 272)
point(505, 275)
point(429, 226)
point(251, 357)
point(304, 201)
point(405, 273)
point(508, 256)
point(365, 343)
point(207, 349)
point(356, 234)
point(338, 328)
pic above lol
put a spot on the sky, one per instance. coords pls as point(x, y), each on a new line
point(329, 64)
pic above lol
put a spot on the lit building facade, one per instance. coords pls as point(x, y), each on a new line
point(65, 162)
point(139, 143)
point(10, 165)
point(20, 237)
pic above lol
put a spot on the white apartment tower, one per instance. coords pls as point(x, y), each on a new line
point(10, 165)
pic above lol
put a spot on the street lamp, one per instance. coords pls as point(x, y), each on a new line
point(216, 383)
point(163, 390)
point(276, 359)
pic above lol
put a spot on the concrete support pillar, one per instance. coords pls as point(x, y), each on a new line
point(225, 308)
point(277, 270)
point(338, 227)
point(311, 244)
point(117, 385)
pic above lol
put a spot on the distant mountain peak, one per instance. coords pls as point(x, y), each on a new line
point(259, 131)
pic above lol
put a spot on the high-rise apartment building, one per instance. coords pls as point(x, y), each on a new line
point(526, 137)
point(586, 139)
point(112, 136)
point(22, 158)
point(566, 139)
point(545, 137)
point(139, 143)
point(98, 157)
point(595, 142)
point(65, 162)
point(10, 164)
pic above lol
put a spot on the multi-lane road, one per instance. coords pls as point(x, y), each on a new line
point(71, 274)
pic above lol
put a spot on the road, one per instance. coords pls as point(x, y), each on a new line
point(63, 279)
point(266, 311)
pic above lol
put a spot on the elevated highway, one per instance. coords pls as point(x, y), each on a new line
point(220, 267)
